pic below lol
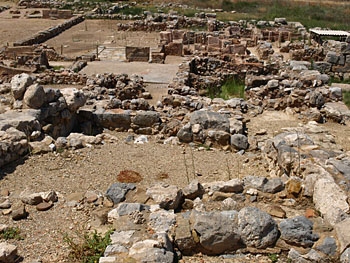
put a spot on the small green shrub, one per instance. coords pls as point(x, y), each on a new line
point(231, 88)
point(11, 233)
point(273, 258)
point(87, 247)
point(346, 98)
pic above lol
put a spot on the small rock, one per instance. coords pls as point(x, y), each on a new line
point(276, 211)
point(117, 191)
point(6, 211)
point(44, 206)
point(310, 213)
point(193, 190)
point(294, 187)
point(19, 213)
point(4, 192)
point(90, 197)
point(6, 204)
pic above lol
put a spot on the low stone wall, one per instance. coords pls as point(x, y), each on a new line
point(140, 54)
point(43, 36)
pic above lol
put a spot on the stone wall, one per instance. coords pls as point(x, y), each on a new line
point(43, 36)
point(139, 54)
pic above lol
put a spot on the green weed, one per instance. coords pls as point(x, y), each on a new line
point(11, 233)
point(273, 258)
point(346, 98)
point(231, 88)
point(87, 247)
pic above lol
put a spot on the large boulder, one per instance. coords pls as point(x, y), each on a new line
point(146, 118)
point(210, 120)
point(216, 232)
point(19, 84)
point(239, 141)
point(34, 97)
point(330, 200)
point(257, 228)
point(298, 231)
point(74, 98)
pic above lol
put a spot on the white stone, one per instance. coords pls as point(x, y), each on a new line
point(330, 200)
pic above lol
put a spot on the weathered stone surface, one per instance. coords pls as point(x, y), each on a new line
point(183, 237)
point(111, 119)
point(216, 232)
point(128, 208)
point(210, 120)
point(231, 186)
point(239, 141)
point(30, 198)
point(44, 206)
point(5, 204)
point(343, 233)
point(146, 118)
point(19, 83)
point(8, 252)
point(151, 251)
point(19, 213)
point(117, 191)
point(273, 185)
point(220, 137)
point(34, 97)
point(185, 133)
point(345, 256)
point(330, 200)
point(336, 111)
point(256, 182)
point(328, 246)
point(193, 190)
point(257, 228)
point(43, 146)
point(298, 231)
point(311, 256)
point(276, 211)
point(167, 196)
point(74, 98)
point(162, 221)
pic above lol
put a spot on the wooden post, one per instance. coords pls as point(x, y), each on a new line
point(97, 51)
point(61, 50)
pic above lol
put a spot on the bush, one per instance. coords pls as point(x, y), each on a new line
point(87, 247)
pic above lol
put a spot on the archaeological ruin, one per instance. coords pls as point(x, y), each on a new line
point(195, 85)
